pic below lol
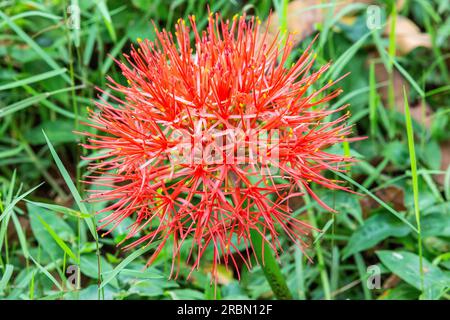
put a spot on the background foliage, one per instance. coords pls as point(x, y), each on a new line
point(48, 76)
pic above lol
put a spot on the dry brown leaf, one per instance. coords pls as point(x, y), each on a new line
point(391, 282)
point(407, 35)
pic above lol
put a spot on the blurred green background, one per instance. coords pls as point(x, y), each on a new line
point(51, 63)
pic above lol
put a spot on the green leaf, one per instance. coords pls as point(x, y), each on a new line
point(89, 267)
point(60, 209)
point(33, 79)
point(401, 292)
point(270, 266)
point(40, 231)
point(186, 294)
point(151, 288)
point(103, 8)
point(25, 103)
point(112, 275)
point(434, 225)
point(374, 197)
point(9, 268)
point(375, 229)
point(71, 186)
point(33, 45)
point(47, 274)
point(406, 266)
point(57, 131)
point(57, 239)
point(148, 273)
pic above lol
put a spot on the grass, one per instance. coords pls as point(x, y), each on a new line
point(415, 183)
point(49, 74)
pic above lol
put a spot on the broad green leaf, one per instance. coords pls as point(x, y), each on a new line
point(57, 131)
point(89, 267)
point(406, 266)
point(33, 45)
point(436, 225)
point(375, 229)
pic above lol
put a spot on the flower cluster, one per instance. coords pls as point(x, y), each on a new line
point(211, 140)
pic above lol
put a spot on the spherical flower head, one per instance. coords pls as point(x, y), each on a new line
point(209, 141)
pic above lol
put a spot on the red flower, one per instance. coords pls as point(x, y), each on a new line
point(211, 141)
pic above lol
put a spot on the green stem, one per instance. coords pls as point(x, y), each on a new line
point(270, 267)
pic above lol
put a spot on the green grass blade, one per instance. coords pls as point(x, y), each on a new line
point(345, 58)
point(409, 78)
point(33, 79)
point(11, 205)
point(111, 275)
point(415, 182)
point(71, 186)
point(114, 52)
point(20, 235)
point(28, 40)
point(17, 106)
point(103, 8)
point(58, 239)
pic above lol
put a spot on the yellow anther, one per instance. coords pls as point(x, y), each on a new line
point(193, 18)
point(139, 40)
